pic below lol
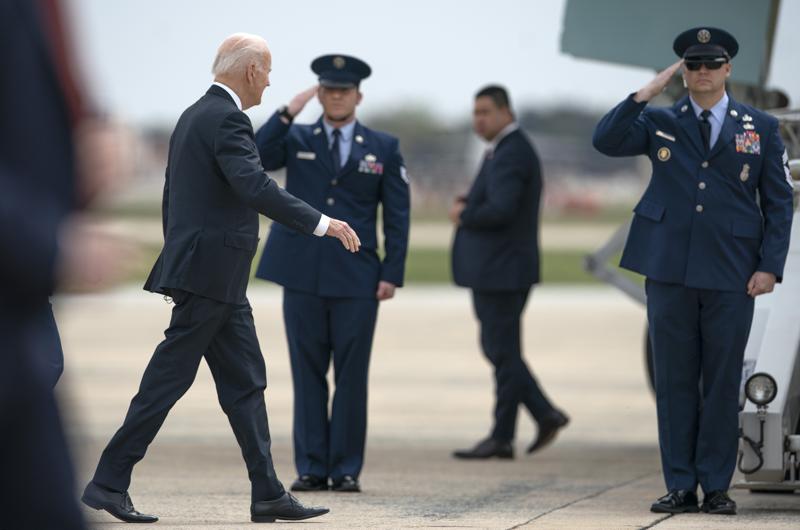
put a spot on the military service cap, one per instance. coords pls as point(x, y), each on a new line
point(705, 43)
point(340, 71)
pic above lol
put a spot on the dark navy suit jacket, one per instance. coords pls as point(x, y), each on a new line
point(706, 220)
point(215, 188)
point(496, 247)
point(373, 175)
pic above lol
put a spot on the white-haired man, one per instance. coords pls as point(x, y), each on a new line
point(214, 190)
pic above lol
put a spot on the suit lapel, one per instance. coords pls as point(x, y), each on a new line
point(729, 127)
point(319, 144)
point(688, 121)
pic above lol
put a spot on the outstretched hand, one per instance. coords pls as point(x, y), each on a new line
point(342, 231)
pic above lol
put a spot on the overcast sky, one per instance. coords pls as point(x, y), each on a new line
point(149, 59)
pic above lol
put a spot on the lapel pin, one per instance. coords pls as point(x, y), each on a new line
point(359, 139)
point(370, 158)
point(747, 117)
point(664, 154)
point(317, 131)
point(745, 174)
point(734, 113)
point(684, 108)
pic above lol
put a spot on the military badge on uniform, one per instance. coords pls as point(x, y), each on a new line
point(664, 153)
point(339, 62)
point(684, 108)
point(703, 36)
point(370, 167)
point(748, 126)
point(370, 158)
point(734, 113)
point(306, 155)
point(317, 131)
point(745, 174)
point(747, 117)
point(404, 174)
point(359, 139)
point(749, 143)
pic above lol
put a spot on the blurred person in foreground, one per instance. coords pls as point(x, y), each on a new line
point(215, 187)
point(710, 233)
point(54, 159)
point(345, 169)
point(496, 254)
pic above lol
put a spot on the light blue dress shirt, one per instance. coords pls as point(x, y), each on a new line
point(717, 116)
point(345, 140)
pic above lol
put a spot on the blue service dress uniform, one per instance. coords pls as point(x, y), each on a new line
point(708, 220)
point(330, 306)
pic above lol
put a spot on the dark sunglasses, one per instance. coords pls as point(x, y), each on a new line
point(711, 64)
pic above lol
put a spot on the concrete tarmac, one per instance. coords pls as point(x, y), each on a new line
point(430, 392)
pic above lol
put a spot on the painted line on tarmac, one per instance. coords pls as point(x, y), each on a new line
point(584, 498)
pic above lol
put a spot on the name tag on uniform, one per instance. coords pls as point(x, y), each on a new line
point(749, 142)
point(664, 135)
point(306, 155)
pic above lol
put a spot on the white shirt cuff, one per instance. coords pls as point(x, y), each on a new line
point(322, 226)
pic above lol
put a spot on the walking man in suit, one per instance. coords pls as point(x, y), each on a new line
point(496, 254)
point(710, 233)
point(215, 188)
point(344, 169)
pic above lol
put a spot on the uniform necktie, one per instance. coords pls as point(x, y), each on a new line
point(335, 155)
point(705, 128)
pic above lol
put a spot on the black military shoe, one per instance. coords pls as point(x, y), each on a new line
point(347, 483)
point(548, 429)
point(117, 504)
point(310, 483)
point(718, 502)
point(487, 448)
point(285, 508)
point(676, 501)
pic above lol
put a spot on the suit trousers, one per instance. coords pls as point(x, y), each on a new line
point(225, 335)
point(319, 329)
point(698, 335)
point(499, 314)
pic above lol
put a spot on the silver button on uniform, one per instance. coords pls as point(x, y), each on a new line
point(699, 208)
point(704, 164)
point(334, 182)
point(702, 185)
point(330, 201)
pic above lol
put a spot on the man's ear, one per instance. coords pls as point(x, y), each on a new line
point(360, 97)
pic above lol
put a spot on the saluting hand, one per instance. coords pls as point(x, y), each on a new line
point(657, 85)
point(342, 231)
point(761, 283)
point(297, 103)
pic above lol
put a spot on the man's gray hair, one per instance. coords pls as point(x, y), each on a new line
point(238, 51)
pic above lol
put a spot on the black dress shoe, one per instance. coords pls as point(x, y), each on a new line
point(117, 504)
point(718, 502)
point(285, 508)
point(676, 501)
point(487, 448)
point(347, 483)
point(310, 483)
point(548, 429)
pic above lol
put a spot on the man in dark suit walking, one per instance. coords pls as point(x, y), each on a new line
point(496, 254)
point(214, 190)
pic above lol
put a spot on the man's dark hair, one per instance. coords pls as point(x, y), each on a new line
point(498, 94)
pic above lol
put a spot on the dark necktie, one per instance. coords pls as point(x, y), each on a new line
point(335, 156)
point(705, 128)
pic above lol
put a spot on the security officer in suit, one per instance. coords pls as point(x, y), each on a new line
point(215, 187)
point(331, 297)
point(710, 233)
point(496, 254)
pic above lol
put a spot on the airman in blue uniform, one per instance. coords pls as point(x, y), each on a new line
point(331, 298)
point(710, 233)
